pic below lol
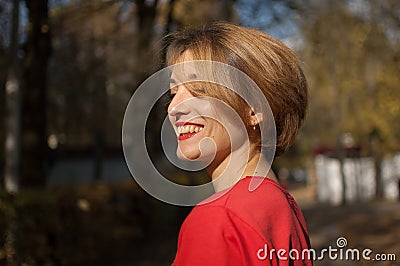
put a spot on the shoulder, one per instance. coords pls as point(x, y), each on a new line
point(268, 206)
point(269, 210)
point(213, 220)
point(267, 203)
point(214, 235)
point(268, 194)
point(231, 229)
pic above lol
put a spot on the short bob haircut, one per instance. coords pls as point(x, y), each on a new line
point(267, 61)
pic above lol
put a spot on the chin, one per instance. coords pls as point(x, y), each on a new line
point(187, 154)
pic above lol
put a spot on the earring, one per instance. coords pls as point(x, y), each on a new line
point(254, 127)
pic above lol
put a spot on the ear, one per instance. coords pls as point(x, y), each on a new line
point(254, 118)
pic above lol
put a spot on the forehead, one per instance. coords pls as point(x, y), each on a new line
point(183, 70)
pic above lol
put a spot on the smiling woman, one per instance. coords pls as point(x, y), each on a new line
point(216, 124)
point(194, 121)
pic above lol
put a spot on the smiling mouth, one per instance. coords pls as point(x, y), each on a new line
point(187, 130)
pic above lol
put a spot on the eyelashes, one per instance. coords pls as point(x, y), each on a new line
point(168, 98)
point(194, 91)
point(197, 91)
point(200, 90)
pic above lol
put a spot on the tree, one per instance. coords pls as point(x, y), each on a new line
point(34, 113)
point(351, 71)
point(102, 51)
point(13, 105)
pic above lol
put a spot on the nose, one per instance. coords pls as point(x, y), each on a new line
point(177, 107)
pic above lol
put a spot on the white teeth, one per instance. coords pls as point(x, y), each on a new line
point(188, 129)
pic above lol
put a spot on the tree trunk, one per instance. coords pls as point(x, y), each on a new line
point(145, 53)
point(37, 49)
point(12, 133)
point(170, 18)
point(13, 109)
point(146, 15)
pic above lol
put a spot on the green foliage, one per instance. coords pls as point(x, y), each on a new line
point(353, 75)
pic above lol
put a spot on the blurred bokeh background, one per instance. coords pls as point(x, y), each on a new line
point(69, 67)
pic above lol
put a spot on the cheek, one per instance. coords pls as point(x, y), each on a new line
point(233, 135)
point(223, 133)
point(220, 135)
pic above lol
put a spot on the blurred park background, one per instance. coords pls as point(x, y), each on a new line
point(69, 67)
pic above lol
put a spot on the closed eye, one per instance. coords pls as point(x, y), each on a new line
point(169, 96)
point(200, 90)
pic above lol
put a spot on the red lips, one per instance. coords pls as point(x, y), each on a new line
point(187, 135)
point(179, 124)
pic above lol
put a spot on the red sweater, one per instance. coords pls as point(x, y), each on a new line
point(245, 228)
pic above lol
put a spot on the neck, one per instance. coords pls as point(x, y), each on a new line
point(235, 167)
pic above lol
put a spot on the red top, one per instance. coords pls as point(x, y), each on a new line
point(262, 227)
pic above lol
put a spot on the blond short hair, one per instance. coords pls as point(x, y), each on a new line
point(267, 61)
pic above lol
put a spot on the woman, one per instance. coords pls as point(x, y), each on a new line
point(238, 225)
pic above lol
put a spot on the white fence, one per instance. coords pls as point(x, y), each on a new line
point(359, 177)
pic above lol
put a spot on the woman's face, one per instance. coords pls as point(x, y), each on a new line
point(205, 126)
point(200, 136)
